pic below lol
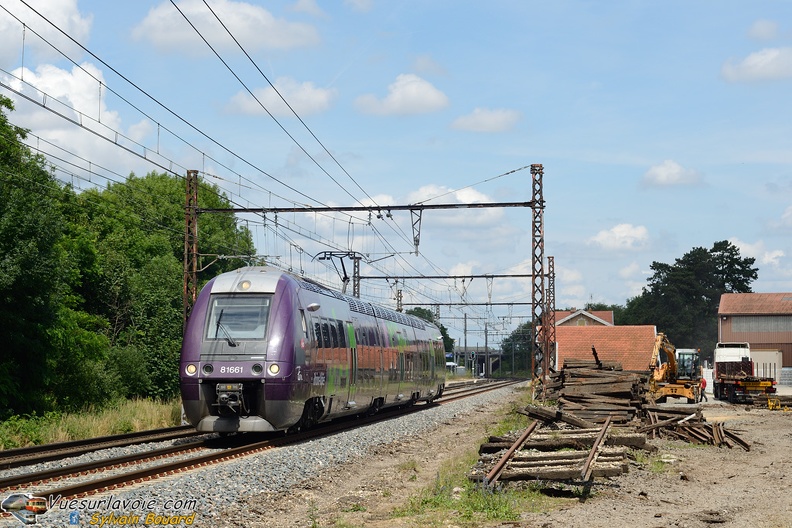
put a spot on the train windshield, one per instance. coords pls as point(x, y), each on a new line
point(238, 317)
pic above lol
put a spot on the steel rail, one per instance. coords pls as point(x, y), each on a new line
point(116, 481)
point(495, 473)
point(25, 456)
point(585, 472)
point(39, 477)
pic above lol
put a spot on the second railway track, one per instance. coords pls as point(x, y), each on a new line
point(40, 481)
point(26, 456)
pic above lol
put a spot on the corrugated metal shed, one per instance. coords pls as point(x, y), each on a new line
point(762, 319)
point(755, 303)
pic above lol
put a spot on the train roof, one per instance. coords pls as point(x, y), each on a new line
point(256, 279)
point(264, 279)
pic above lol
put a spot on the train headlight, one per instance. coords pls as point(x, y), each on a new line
point(191, 369)
point(256, 369)
point(274, 369)
point(208, 369)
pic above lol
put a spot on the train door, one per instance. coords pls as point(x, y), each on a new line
point(394, 361)
point(352, 349)
point(340, 364)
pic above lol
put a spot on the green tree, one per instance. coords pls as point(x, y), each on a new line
point(682, 299)
point(138, 228)
point(91, 283)
point(30, 227)
point(617, 309)
point(518, 345)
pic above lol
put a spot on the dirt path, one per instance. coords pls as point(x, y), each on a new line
point(702, 487)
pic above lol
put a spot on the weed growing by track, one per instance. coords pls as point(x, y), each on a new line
point(121, 417)
point(453, 495)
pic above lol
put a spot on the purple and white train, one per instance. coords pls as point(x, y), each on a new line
point(265, 350)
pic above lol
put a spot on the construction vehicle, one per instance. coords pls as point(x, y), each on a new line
point(733, 378)
point(673, 373)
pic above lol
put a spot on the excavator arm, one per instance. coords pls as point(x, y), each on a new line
point(663, 381)
point(663, 363)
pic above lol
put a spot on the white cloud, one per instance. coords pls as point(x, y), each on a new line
point(568, 275)
point(64, 14)
point(485, 217)
point(766, 65)
point(763, 30)
point(254, 27)
point(487, 120)
point(574, 291)
point(630, 270)
point(622, 236)
point(758, 251)
point(670, 173)
point(77, 89)
point(409, 94)
point(426, 64)
point(67, 93)
point(304, 98)
point(464, 268)
point(139, 131)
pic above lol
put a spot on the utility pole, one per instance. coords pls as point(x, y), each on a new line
point(538, 360)
point(487, 369)
point(190, 246)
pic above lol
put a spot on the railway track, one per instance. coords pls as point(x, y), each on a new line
point(26, 456)
point(208, 452)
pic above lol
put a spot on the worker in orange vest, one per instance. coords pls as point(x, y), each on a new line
point(703, 390)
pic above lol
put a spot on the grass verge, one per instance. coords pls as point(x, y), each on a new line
point(453, 496)
point(120, 417)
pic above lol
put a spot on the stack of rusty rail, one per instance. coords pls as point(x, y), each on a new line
point(550, 453)
point(681, 424)
point(593, 391)
point(596, 390)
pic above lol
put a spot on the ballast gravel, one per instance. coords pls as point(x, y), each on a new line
point(206, 492)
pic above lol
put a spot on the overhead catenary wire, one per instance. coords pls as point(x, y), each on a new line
point(236, 41)
point(391, 225)
point(149, 97)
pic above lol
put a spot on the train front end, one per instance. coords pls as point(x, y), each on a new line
point(237, 357)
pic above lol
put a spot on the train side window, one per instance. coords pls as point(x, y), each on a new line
point(318, 331)
point(342, 337)
point(304, 324)
point(328, 343)
point(333, 335)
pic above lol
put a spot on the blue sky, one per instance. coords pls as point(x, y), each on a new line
point(661, 126)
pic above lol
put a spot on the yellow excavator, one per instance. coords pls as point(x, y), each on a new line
point(673, 373)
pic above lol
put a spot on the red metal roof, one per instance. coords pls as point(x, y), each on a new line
point(755, 303)
point(606, 316)
point(630, 345)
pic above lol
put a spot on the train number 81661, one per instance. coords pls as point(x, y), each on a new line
point(230, 370)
